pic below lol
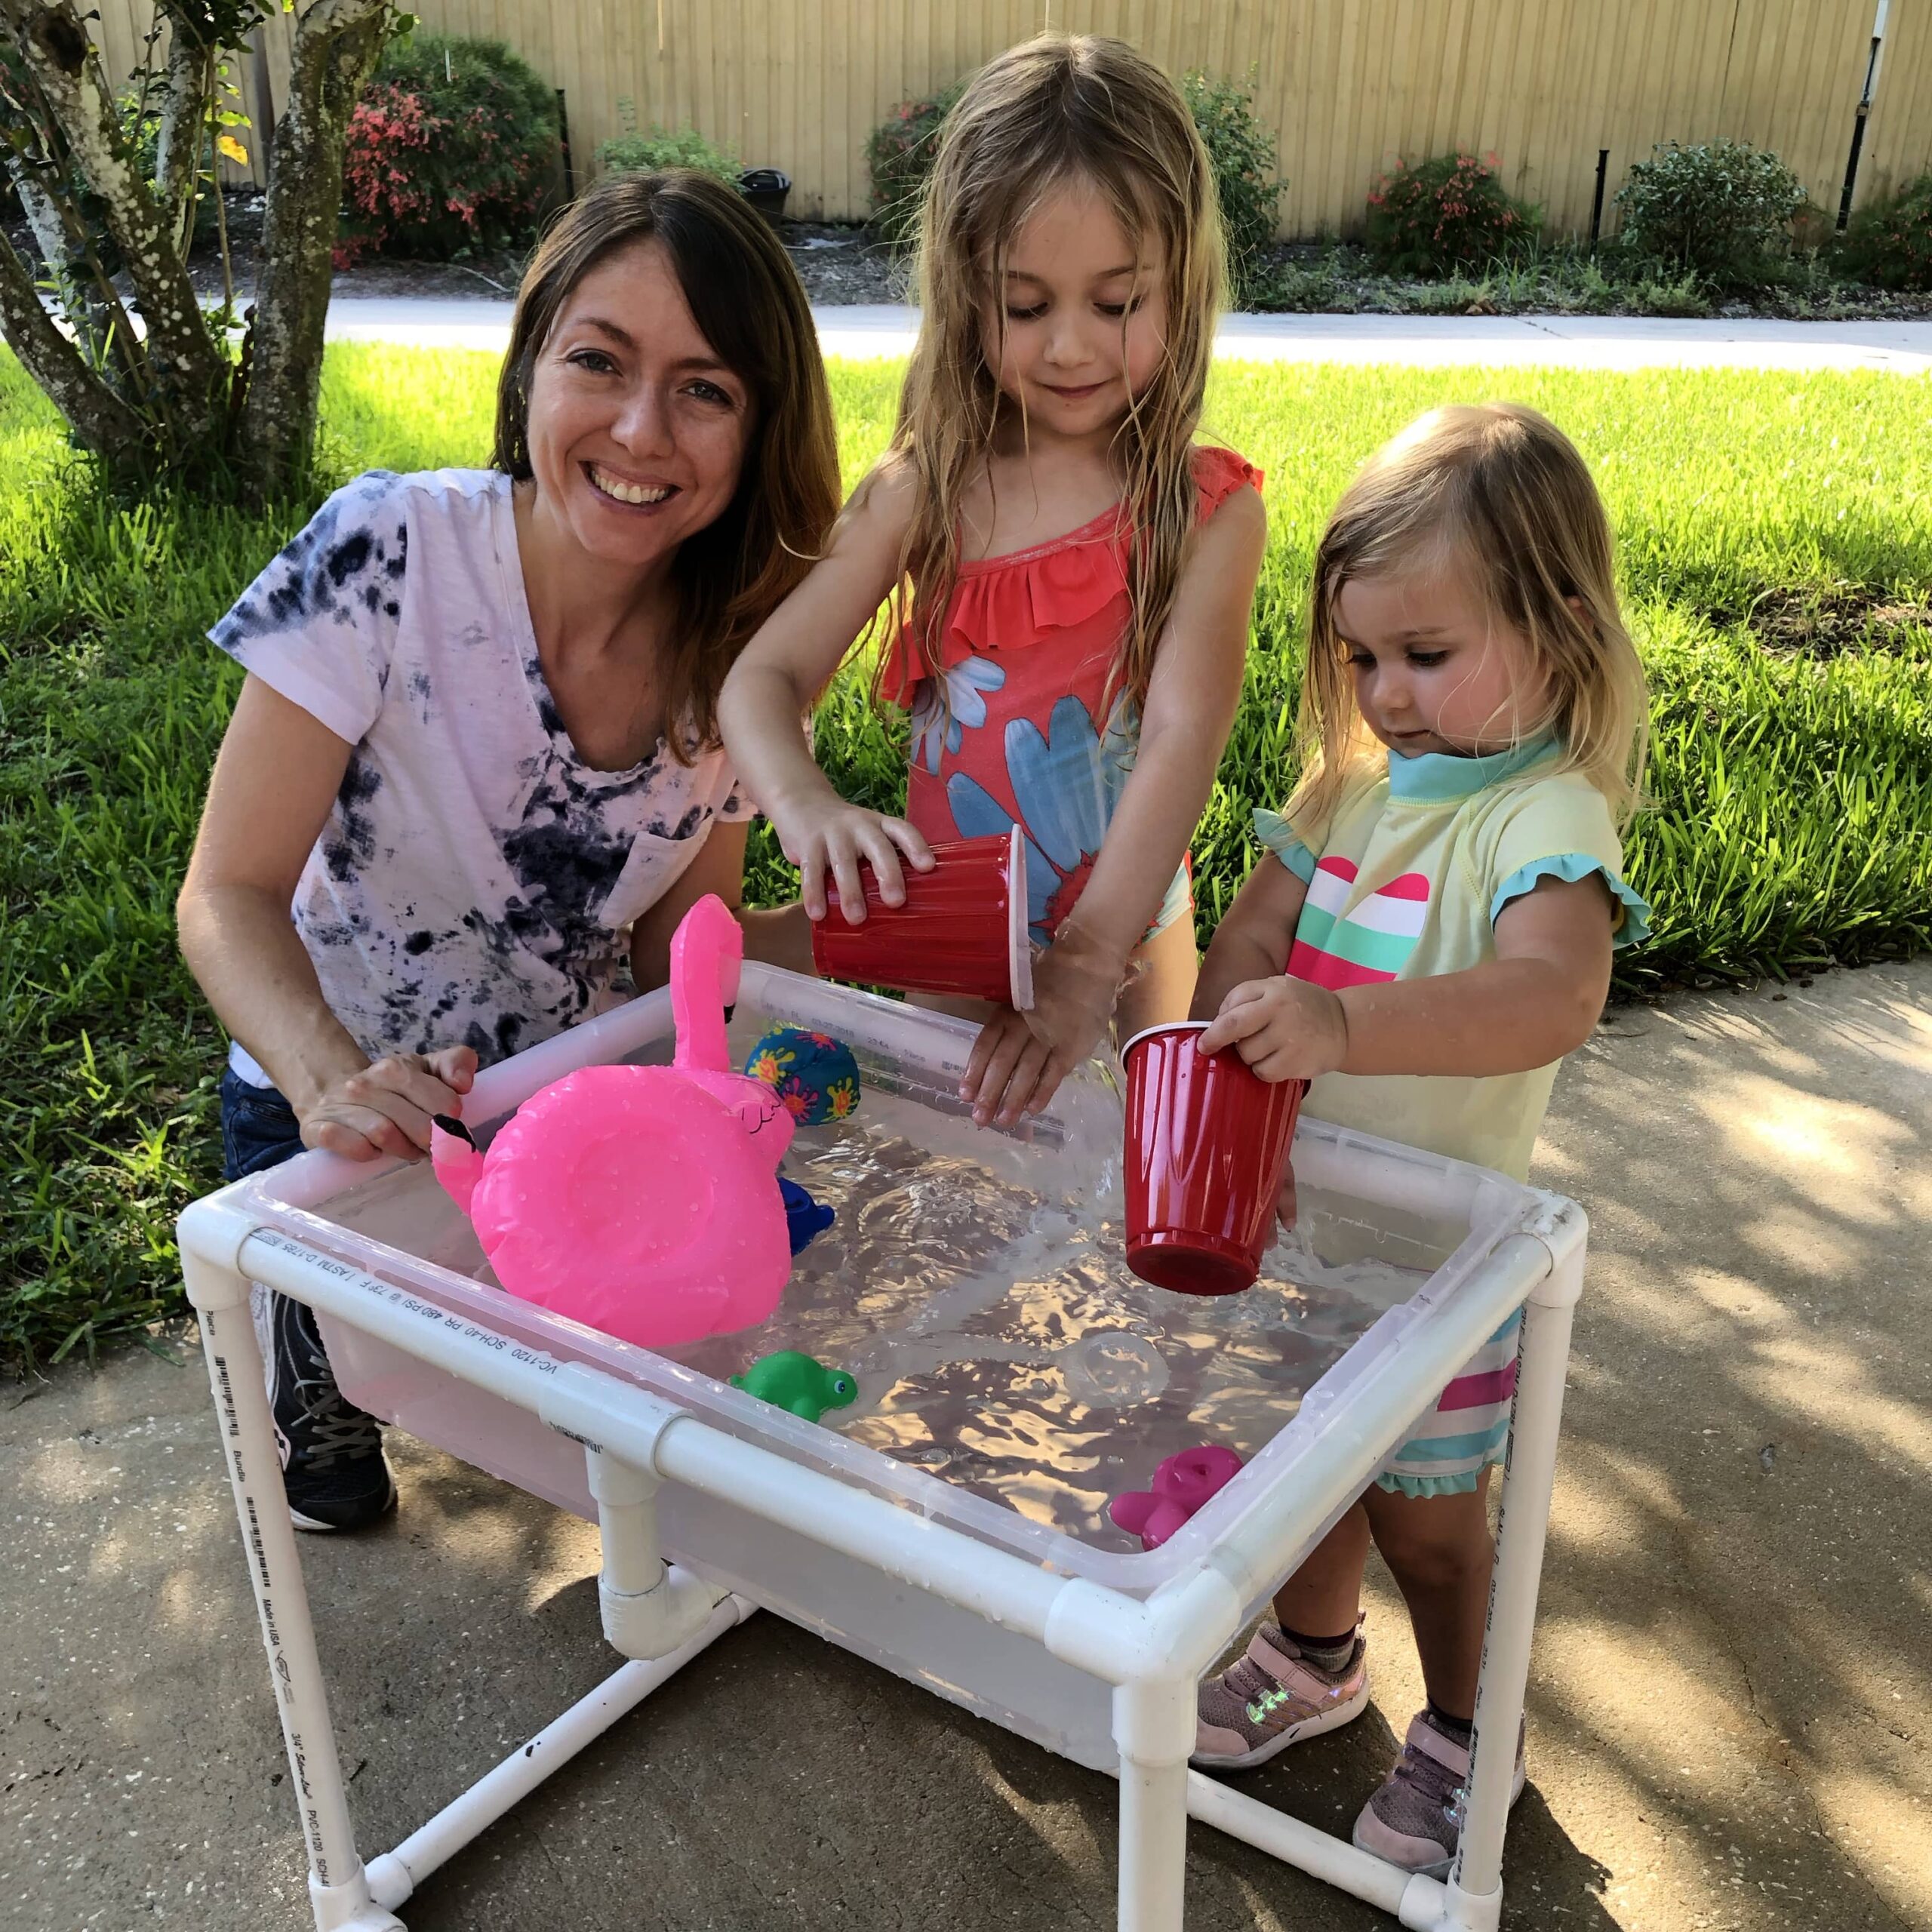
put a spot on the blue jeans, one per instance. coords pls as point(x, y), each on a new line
point(258, 1129)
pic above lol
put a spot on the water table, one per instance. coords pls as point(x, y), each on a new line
point(951, 1524)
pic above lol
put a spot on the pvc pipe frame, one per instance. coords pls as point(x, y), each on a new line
point(1153, 1652)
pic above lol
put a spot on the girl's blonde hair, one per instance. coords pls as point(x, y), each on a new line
point(1497, 489)
point(1057, 109)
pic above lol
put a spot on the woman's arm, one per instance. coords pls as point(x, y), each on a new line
point(277, 772)
point(780, 937)
point(779, 677)
point(1535, 1001)
point(1192, 700)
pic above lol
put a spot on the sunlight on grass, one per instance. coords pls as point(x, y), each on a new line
point(1793, 788)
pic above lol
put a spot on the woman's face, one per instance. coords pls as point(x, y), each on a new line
point(637, 430)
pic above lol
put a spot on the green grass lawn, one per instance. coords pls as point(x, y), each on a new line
point(1776, 547)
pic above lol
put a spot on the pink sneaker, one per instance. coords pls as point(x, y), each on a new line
point(1416, 1819)
point(1272, 1698)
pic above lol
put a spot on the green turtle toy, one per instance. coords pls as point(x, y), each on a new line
point(797, 1382)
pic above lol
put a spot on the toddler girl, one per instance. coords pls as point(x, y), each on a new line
point(1431, 935)
point(1070, 574)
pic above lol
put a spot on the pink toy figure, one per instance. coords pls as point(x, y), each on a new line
point(641, 1201)
point(1181, 1484)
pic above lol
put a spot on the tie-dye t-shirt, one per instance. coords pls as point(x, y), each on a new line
point(1406, 881)
point(476, 881)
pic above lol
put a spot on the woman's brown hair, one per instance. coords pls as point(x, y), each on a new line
point(745, 296)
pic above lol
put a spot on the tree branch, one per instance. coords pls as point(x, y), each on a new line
point(101, 420)
point(63, 60)
point(92, 308)
point(184, 112)
point(337, 45)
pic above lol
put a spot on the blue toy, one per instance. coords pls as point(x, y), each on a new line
point(814, 1076)
point(805, 1219)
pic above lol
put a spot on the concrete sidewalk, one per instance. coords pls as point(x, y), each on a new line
point(1731, 1699)
point(1580, 342)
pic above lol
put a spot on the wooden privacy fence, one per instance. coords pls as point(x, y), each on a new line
point(1566, 94)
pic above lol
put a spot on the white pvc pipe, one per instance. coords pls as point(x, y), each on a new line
point(395, 1874)
point(338, 1888)
point(645, 1430)
point(1154, 1725)
point(1528, 1481)
point(1320, 1854)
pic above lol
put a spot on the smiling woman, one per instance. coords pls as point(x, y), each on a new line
point(473, 779)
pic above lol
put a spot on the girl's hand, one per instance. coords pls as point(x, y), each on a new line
point(1284, 1029)
point(1019, 1060)
point(837, 838)
point(384, 1109)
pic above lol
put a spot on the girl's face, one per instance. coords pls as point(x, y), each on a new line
point(1433, 670)
point(1078, 329)
point(637, 430)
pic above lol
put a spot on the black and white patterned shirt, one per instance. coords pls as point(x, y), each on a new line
point(476, 881)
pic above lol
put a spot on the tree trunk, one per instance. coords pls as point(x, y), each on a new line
point(99, 417)
point(187, 369)
point(337, 45)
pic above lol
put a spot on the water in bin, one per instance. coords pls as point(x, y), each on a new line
point(975, 1286)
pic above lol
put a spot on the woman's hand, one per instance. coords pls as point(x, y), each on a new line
point(385, 1108)
point(1284, 1029)
point(833, 840)
point(1019, 1060)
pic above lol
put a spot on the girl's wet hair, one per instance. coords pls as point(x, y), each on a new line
point(1057, 111)
point(1496, 491)
point(745, 296)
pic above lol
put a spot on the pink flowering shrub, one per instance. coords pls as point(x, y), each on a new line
point(1450, 212)
point(453, 147)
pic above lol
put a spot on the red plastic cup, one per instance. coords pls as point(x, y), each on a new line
point(962, 929)
point(1207, 1143)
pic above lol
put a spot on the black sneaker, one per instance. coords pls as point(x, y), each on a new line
point(332, 1468)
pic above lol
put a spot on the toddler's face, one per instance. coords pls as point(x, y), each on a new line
point(1078, 329)
point(1435, 670)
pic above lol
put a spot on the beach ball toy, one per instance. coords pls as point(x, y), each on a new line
point(814, 1076)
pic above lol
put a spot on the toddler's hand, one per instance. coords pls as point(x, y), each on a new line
point(1284, 1202)
point(1284, 1029)
point(836, 839)
point(386, 1109)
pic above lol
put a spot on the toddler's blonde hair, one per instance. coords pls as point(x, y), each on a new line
point(1498, 490)
point(1059, 109)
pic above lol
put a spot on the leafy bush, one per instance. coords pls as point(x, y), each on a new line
point(657, 147)
point(1888, 243)
point(453, 146)
point(1450, 211)
point(1241, 151)
point(900, 153)
point(1721, 210)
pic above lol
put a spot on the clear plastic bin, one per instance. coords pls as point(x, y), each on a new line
point(1013, 1375)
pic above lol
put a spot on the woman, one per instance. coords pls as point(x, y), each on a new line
point(476, 752)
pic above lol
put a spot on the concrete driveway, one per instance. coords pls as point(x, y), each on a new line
point(1730, 1706)
point(1576, 342)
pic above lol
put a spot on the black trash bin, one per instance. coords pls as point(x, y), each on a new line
point(765, 189)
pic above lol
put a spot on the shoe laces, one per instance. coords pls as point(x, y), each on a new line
point(335, 1429)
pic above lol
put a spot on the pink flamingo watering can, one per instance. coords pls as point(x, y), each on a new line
point(641, 1201)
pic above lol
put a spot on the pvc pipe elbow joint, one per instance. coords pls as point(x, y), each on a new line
point(651, 1624)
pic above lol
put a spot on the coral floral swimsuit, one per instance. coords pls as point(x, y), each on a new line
point(1030, 733)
